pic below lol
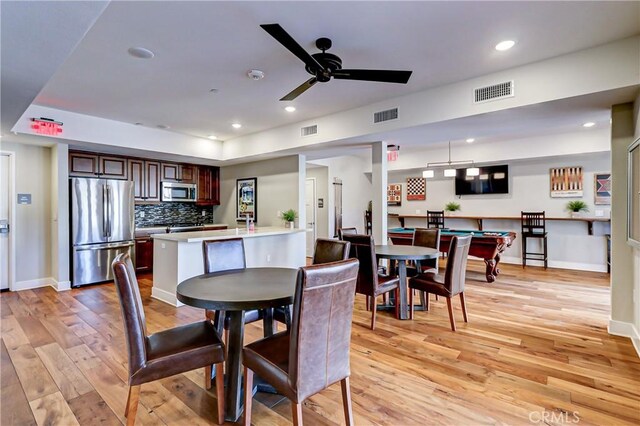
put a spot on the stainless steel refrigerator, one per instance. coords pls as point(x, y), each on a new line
point(102, 226)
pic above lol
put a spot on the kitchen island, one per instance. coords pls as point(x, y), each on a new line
point(178, 256)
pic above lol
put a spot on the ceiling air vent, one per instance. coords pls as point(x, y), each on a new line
point(390, 114)
point(309, 130)
point(494, 92)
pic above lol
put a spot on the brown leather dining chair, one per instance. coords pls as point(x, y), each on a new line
point(327, 251)
point(370, 282)
point(451, 284)
point(315, 353)
point(344, 231)
point(165, 353)
point(430, 238)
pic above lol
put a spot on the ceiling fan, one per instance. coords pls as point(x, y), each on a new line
point(323, 66)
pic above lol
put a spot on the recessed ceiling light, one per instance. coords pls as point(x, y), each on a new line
point(589, 124)
point(236, 125)
point(290, 109)
point(162, 126)
point(470, 140)
point(505, 45)
point(213, 90)
point(141, 53)
point(212, 137)
point(138, 124)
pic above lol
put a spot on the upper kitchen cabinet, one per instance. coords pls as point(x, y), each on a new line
point(208, 186)
point(172, 172)
point(94, 165)
point(145, 176)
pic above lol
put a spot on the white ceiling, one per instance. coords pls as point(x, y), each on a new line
point(205, 45)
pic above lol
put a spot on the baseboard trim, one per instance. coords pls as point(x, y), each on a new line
point(592, 267)
point(165, 296)
point(42, 282)
point(625, 329)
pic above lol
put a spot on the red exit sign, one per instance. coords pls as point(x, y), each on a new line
point(46, 126)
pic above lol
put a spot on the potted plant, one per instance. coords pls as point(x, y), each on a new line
point(576, 207)
point(452, 207)
point(290, 216)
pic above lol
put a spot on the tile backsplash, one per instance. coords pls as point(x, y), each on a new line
point(166, 213)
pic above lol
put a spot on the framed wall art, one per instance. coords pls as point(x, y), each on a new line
point(394, 194)
point(247, 199)
point(416, 189)
point(566, 182)
point(602, 188)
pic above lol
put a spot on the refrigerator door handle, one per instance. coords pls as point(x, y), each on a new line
point(108, 211)
point(103, 246)
point(105, 204)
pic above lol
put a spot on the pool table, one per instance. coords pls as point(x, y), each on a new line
point(487, 245)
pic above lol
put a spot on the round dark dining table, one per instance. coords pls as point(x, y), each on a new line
point(403, 254)
point(235, 291)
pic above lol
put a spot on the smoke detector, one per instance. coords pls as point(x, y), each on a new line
point(255, 75)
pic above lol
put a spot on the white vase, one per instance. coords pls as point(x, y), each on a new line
point(291, 225)
point(576, 215)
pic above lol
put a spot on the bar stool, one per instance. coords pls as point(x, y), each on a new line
point(533, 226)
point(435, 219)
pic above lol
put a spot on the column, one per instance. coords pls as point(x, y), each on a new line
point(379, 191)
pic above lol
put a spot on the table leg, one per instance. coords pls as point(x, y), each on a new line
point(233, 391)
point(496, 270)
point(403, 312)
point(491, 266)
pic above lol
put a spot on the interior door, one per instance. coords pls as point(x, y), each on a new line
point(310, 206)
point(4, 220)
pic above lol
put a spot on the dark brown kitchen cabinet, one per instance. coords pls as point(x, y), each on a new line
point(208, 186)
point(144, 254)
point(172, 172)
point(94, 165)
point(145, 176)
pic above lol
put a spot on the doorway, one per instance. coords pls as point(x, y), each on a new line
point(310, 206)
point(6, 218)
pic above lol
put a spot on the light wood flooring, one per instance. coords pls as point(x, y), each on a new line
point(536, 348)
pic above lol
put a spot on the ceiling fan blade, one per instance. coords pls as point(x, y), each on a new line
point(300, 89)
point(385, 76)
point(287, 41)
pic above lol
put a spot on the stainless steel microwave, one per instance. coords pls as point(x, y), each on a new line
point(179, 192)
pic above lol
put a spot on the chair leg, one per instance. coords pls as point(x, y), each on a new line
point(411, 303)
point(545, 252)
point(132, 405)
point(373, 312)
point(220, 391)
point(248, 395)
point(296, 411)
point(436, 299)
point(207, 377)
point(397, 310)
point(427, 296)
point(451, 319)
point(524, 252)
point(346, 401)
point(464, 307)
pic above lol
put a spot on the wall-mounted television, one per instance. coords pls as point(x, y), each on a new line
point(490, 180)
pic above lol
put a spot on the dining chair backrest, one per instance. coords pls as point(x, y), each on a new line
point(344, 231)
point(533, 222)
point(223, 255)
point(455, 272)
point(135, 328)
point(321, 326)
point(363, 249)
point(430, 238)
point(435, 218)
point(328, 251)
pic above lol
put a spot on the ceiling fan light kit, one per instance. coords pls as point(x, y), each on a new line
point(324, 66)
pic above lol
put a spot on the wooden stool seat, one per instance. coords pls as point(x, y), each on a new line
point(534, 226)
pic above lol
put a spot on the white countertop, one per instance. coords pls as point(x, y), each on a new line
point(199, 236)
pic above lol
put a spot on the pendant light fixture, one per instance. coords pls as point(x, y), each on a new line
point(450, 170)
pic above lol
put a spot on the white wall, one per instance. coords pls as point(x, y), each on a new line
point(636, 273)
point(321, 175)
point(356, 188)
point(32, 224)
point(624, 263)
point(569, 244)
point(278, 189)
